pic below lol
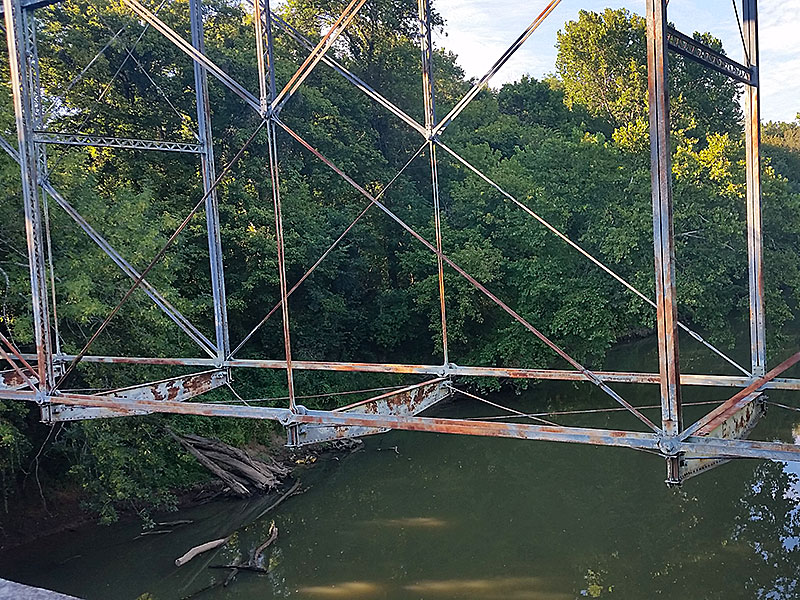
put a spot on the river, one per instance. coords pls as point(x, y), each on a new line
point(447, 516)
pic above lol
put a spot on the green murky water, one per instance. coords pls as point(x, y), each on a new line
point(467, 517)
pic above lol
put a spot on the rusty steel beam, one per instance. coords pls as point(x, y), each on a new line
point(60, 413)
point(17, 379)
point(175, 389)
point(693, 379)
point(708, 57)
point(737, 426)
point(733, 405)
point(409, 401)
point(699, 446)
point(410, 423)
point(663, 235)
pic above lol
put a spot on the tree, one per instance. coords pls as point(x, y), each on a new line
point(602, 61)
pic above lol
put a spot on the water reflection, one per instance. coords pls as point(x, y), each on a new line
point(490, 588)
point(426, 522)
point(346, 589)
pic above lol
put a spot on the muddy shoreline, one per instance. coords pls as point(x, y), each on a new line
point(28, 518)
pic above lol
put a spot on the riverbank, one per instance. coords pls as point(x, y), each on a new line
point(32, 515)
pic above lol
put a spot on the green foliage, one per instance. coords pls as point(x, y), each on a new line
point(133, 464)
point(602, 60)
point(781, 143)
point(14, 446)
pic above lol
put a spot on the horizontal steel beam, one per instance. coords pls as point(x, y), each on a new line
point(60, 413)
point(452, 369)
point(104, 141)
point(698, 446)
point(317, 417)
point(700, 53)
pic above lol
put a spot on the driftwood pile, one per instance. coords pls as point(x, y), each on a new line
point(242, 474)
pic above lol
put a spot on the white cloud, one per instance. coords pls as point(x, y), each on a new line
point(480, 31)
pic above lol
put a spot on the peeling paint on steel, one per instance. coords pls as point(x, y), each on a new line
point(408, 402)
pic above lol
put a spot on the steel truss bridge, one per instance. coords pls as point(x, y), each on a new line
point(39, 377)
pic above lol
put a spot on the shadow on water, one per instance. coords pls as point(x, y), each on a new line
point(468, 517)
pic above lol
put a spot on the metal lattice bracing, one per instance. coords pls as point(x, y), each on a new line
point(40, 376)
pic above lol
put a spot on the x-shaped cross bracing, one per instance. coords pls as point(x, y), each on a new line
point(430, 131)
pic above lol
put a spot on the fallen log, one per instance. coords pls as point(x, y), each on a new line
point(235, 486)
point(261, 478)
point(273, 535)
point(240, 472)
point(231, 576)
point(200, 549)
point(241, 455)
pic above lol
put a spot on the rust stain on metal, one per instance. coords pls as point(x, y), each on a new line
point(736, 426)
point(720, 414)
point(175, 389)
point(406, 402)
point(12, 380)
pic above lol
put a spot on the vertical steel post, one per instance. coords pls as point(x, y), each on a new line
point(209, 176)
point(37, 115)
point(752, 124)
point(262, 28)
point(34, 84)
point(291, 432)
point(663, 240)
point(429, 100)
point(21, 90)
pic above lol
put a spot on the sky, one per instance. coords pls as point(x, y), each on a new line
point(479, 31)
